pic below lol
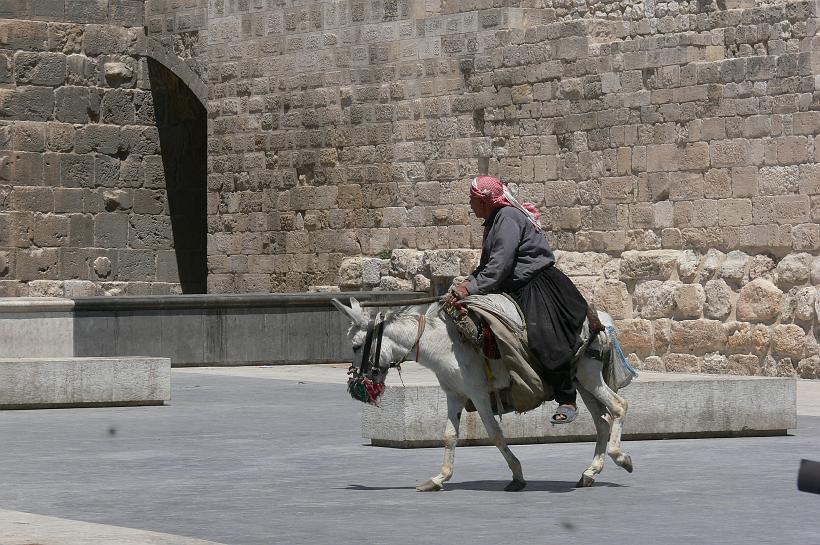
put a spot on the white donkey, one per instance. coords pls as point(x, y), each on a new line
point(460, 371)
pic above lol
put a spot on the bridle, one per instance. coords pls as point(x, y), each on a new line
point(366, 382)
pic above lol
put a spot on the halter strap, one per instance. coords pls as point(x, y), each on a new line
point(375, 331)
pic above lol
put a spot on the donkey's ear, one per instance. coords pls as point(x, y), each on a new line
point(355, 305)
point(355, 316)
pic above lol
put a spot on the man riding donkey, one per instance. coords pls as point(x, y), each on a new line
point(516, 259)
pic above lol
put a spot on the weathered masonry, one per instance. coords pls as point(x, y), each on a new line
point(102, 152)
point(672, 146)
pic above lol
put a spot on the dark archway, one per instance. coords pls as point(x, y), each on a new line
point(182, 124)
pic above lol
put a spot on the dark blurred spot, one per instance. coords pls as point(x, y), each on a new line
point(112, 431)
point(567, 525)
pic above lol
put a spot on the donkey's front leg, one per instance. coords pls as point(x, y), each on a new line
point(454, 407)
point(484, 408)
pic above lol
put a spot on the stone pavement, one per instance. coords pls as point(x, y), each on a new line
point(262, 456)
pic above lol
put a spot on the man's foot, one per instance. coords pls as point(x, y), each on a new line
point(565, 413)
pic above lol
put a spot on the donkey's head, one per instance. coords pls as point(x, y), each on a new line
point(360, 319)
point(372, 352)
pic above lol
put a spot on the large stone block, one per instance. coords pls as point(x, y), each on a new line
point(104, 39)
point(718, 304)
point(612, 296)
point(23, 35)
point(443, 263)
point(76, 104)
point(30, 102)
point(788, 340)
point(39, 68)
point(581, 263)
point(40, 327)
point(37, 264)
point(87, 11)
point(636, 336)
point(794, 269)
point(697, 336)
point(111, 230)
point(136, 265)
point(706, 406)
point(148, 231)
point(27, 383)
point(649, 265)
point(654, 299)
point(117, 107)
point(759, 301)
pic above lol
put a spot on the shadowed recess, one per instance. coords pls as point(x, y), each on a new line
point(182, 124)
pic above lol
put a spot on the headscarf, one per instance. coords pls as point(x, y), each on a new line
point(497, 194)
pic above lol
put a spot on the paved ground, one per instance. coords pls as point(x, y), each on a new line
point(243, 461)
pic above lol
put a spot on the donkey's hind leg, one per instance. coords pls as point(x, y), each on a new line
point(484, 408)
point(591, 379)
point(597, 411)
point(454, 407)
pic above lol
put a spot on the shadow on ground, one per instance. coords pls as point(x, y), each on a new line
point(495, 486)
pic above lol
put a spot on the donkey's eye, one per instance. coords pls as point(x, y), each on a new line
point(357, 347)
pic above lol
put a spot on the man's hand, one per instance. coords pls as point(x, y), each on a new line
point(459, 291)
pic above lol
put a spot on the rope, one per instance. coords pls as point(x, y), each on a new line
point(401, 302)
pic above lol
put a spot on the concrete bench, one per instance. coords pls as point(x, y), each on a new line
point(31, 383)
point(661, 405)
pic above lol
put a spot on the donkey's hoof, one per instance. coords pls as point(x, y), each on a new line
point(585, 482)
point(515, 485)
point(429, 486)
point(625, 461)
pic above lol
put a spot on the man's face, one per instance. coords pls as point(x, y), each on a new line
point(480, 207)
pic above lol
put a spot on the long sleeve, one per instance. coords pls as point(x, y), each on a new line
point(500, 249)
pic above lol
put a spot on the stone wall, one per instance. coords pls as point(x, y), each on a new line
point(671, 146)
point(676, 310)
point(345, 129)
point(178, 35)
point(84, 208)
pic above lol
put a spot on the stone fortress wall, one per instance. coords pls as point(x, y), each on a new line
point(671, 146)
point(86, 203)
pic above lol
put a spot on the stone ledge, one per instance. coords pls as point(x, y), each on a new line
point(662, 406)
point(17, 305)
point(35, 383)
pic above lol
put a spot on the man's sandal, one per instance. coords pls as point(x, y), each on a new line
point(567, 412)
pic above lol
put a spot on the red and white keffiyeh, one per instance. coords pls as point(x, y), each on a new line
point(497, 194)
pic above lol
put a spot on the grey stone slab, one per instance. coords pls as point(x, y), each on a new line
point(246, 335)
point(276, 324)
point(95, 334)
point(183, 336)
point(661, 407)
point(316, 335)
point(139, 333)
point(215, 341)
point(190, 330)
point(75, 382)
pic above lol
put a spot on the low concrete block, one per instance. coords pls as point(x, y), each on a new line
point(30, 383)
point(661, 406)
point(36, 327)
